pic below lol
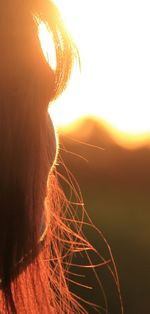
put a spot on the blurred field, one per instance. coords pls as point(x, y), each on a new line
point(115, 184)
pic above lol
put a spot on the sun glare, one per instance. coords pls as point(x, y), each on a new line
point(47, 45)
point(114, 86)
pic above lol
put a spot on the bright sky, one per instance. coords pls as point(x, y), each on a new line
point(114, 43)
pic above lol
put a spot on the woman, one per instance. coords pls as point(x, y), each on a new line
point(34, 236)
point(31, 273)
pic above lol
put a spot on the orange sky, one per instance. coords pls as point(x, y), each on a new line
point(114, 85)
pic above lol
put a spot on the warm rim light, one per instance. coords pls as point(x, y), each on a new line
point(112, 37)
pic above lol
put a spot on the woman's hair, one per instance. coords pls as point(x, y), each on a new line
point(35, 238)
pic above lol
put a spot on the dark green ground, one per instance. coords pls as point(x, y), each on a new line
point(115, 184)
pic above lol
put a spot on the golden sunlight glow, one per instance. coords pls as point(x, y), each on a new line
point(114, 85)
point(47, 45)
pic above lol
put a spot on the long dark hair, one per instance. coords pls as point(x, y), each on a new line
point(35, 235)
point(30, 280)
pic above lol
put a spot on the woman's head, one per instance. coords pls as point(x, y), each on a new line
point(35, 232)
point(28, 149)
point(27, 138)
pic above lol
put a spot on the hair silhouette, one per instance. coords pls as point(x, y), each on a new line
point(32, 278)
point(36, 234)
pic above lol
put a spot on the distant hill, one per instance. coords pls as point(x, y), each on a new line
point(91, 152)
